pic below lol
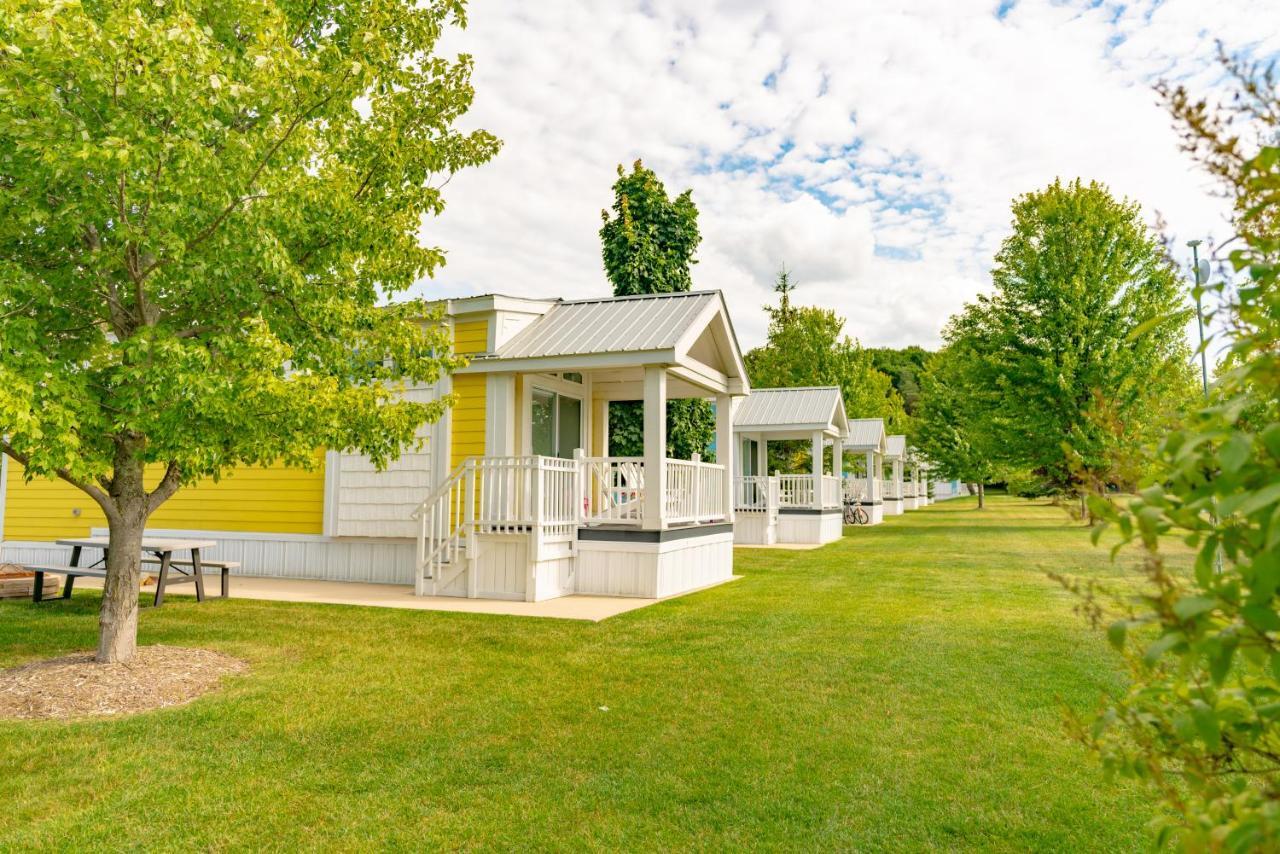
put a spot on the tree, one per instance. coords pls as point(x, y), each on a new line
point(1082, 338)
point(648, 246)
point(951, 428)
point(202, 208)
point(806, 346)
point(904, 367)
point(1200, 721)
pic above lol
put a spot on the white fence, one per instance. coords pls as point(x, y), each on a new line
point(831, 491)
point(695, 492)
point(612, 490)
point(795, 490)
point(756, 493)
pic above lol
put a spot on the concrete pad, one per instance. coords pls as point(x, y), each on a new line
point(577, 607)
point(791, 547)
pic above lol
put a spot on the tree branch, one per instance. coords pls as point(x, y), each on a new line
point(104, 500)
point(166, 488)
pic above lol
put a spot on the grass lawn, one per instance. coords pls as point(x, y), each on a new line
point(899, 690)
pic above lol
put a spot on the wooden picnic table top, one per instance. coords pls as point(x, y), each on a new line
point(149, 544)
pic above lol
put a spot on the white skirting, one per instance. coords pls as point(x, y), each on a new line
point(653, 570)
point(910, 503)
point(893, 507)
point(383, 561)
point(755, 528)
point(809, 528)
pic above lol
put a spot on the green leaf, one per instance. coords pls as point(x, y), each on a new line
point(1235, 452)
point(1193, 606)
point(1207, 725)
point(1116, 633)
point(1261, 618)
point(1160, 647)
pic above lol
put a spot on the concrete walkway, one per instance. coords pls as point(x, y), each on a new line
point(577, 607)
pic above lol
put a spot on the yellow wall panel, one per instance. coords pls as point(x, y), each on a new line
point(471, 336)
point(272, 499)
point(467, 418)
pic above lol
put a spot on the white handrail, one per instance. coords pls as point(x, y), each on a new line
point(612, 490)
point(695, 491)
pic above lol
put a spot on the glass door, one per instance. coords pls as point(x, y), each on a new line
point(557, 424)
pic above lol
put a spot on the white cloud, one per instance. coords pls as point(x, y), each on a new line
point(815, 134)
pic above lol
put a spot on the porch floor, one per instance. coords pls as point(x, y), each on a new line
point(575, 607)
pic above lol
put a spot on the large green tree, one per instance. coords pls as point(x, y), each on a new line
point(648, 244)
point(203, 209)
point(1082, 340)
point(807, 346)
point(951, 427)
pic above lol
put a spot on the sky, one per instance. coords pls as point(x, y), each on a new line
point(873, 147)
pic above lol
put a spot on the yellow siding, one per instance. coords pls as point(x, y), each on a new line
point(273, 499)
point(471, 336)
point(467, 416)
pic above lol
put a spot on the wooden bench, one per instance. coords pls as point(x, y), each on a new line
point(71, 573)
point(163, 578)
point(223, 566)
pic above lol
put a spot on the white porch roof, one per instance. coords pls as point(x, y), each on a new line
point(866, 434)
point(800, 411)
point(690, 333)
point(896, 447)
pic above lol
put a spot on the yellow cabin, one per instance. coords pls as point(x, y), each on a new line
point(513, 494)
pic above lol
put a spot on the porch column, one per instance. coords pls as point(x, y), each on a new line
point(599, 429)
point(655, 448)
point(726, 451)
point(837, 458)
point(762, 455)
point(897, 477)
point(816, 444)
point(872, 484)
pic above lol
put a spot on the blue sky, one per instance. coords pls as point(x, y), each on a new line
point(874, 148)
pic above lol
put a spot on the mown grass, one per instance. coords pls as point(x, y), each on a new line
point(899, 690)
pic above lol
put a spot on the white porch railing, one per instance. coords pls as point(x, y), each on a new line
point(889, 489)
point(755, 493)
point(830, 491)
point(612, 490)
point(548, 498)
point(695, 492)
point(855, 489)
point(795, 490)
point(493, 495)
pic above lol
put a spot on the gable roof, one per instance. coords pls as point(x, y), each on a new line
point(610, 325)
point(896, 446)
point(683, 329)
point(866, 434)
point(782, 409)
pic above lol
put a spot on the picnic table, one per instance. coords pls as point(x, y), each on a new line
point(159, 550)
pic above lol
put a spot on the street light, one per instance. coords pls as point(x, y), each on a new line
point(1202, 277)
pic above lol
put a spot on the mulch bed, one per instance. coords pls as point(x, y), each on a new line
point(75, 686)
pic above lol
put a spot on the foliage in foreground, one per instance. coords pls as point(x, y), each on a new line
point(648, 245)
point(1201, 720)
point(202, 208)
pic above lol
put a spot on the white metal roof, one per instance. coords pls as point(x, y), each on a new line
point(866, 434)
point(610, 325)
point(788, 409)
point(896, 447)
point(690, 332)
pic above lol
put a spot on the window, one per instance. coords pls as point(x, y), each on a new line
point(557, 424)
point(750, 458)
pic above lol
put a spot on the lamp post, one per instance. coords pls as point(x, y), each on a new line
point(1201, 277)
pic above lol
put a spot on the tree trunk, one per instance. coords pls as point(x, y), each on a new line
point(118, 619)
point(982, 496)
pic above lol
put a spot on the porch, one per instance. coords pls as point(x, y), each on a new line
point(794, 507)
point(548, 509)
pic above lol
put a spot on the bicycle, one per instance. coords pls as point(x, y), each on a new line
point(855, 515)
